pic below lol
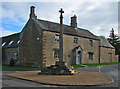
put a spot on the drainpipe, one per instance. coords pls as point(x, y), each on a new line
point(99, 52)
point(18, 54)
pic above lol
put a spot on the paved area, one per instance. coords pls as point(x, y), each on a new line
point(13, 82)
point(82, 78)
point(110, 70)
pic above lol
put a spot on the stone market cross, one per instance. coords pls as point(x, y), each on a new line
point(61, 37)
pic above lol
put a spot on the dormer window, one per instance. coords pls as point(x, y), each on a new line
point(18, 42)
point(3, 44)
point(11, 42)
point(75, 40)
point(57, 38)
point(90, 42)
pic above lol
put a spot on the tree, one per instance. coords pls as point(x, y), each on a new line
point(114, 40)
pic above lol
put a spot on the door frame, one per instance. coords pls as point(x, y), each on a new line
point(78, 60)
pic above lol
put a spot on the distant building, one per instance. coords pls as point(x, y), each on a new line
point(37, 45)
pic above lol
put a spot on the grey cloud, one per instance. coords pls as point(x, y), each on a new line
point(102, 14)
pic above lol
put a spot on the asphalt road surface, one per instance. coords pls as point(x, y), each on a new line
point(14, 82)
point(112, 71)
point(109, 70)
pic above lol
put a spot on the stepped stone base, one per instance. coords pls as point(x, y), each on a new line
point(58, 69)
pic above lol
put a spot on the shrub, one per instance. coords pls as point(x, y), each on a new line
point(12, 62)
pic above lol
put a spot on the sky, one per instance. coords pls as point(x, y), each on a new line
point(97, 17)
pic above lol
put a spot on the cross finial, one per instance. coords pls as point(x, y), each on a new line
point(61, 11)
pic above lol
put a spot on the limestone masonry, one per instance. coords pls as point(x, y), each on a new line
point(37, 45)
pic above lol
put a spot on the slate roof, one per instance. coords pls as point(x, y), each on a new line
point(55, 27)
point(14, 37)
point(104, 42)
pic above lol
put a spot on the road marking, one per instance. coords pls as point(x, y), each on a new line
point(99, 67)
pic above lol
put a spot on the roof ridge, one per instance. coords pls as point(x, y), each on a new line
point(11, 34)
point(63, 24)
point(69, 29)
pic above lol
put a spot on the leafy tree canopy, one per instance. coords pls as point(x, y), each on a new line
point(114, 40)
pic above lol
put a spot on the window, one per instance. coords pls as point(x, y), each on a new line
point(14, 55)
point(90, 55)
point(11, 42)
point(110, 56)
point(3, 43)
point(18, 42)
point(56, 53)
point(75, 40)
point(90, 42)
point(57, 38)
point(8, 55)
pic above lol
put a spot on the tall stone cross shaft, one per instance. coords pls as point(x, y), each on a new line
point(61, 37)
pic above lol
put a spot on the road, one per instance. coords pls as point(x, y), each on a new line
point(109, 70)
point(13, 82)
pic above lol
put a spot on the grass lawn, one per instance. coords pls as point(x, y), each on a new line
point(96, 64)
point(18, 68)
point(76, 66)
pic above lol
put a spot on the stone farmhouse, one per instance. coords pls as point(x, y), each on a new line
point(37, 45)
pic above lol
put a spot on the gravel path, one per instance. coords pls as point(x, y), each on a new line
point(82, 78)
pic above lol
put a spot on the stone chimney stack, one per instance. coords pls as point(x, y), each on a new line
point(74, 21)
point(32, 13)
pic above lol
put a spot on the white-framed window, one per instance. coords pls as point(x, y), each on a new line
point(56, 53)
point(14, 55)
point(3, 44)
point(57, 38)
point(10, 42)
point(18, 41)
point(90, 42)
point(75, 40)
point(90, 54)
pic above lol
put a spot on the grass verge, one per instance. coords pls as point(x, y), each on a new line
point(76, 66)
point(95, 64)
point(19, 68)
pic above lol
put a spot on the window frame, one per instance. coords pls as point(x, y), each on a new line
point(90, 42)
point(57, 39)
point(15, 55)
point(56, 53)
point(10, 42)
point(18, 41)
point(3, 44)
point(90, 55)
point(75, 40)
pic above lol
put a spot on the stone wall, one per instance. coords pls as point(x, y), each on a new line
point(107, 55)
point(31, 45)
point(7, 55)
point(68, 45)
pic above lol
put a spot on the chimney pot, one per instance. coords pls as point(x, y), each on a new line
point(74, 21)
point(32, 13)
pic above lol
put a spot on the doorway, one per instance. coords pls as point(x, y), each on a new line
point(79, 57)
